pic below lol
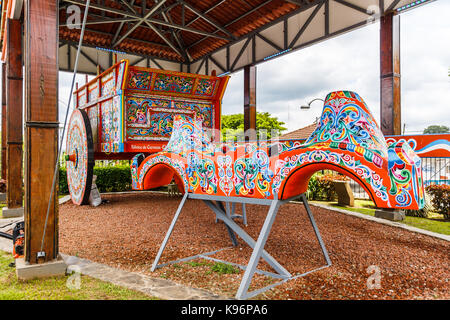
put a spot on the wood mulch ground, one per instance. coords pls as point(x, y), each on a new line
point(127, 232)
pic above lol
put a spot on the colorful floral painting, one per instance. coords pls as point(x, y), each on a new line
point(347, 140)
point(93, 119)
point(108, 84)
point(139, 80)
point(77, 145)
point(162, 124)
point(93, 92)
point(173, 83)
point(121, 74)
point(152, 118)
point(137, 113)
point(111, 123)
point(206, 87)
point(345, 118)
point(202, 110)
point(82, 98)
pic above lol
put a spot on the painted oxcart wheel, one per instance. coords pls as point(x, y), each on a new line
point(80, 157)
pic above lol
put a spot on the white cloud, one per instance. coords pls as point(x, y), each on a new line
point(351, 61)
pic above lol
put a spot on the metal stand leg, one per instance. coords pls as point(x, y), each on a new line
point(230, 231)
point(244, 214)
point(232, 213)
point(316, 230)
point(169, 232)
point(259, 247)
point(249, 240)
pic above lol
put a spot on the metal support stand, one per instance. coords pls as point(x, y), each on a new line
point(232, 214)
point(215, 203)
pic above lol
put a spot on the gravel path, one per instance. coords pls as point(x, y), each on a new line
point(126, 233)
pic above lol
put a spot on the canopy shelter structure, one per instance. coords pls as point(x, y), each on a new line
point(178, 35)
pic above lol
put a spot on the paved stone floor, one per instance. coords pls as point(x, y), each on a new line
point(160, 288)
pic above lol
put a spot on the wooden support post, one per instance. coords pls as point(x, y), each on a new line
point(3, 169)
point(14, 114)
point(250, 102)
point(390, 103)
point(41, 92)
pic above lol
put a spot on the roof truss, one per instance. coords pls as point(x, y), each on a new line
point(187, 36)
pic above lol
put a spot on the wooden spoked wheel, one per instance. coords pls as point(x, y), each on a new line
point(79, 157)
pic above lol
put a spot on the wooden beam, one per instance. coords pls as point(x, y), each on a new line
point(390, 102)
point(41, 103)
point(14, 113)
point(250, 102)
point(240, 53)
point(4, 162)
point(353, 6)
point(270, 42)
point(305, 25)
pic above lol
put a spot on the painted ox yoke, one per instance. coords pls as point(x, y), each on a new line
point(347, 139)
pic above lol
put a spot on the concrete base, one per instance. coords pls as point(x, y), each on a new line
point(26, 271)
point(12, 213)
point(393, 215)
point(2, 197)
point(344, 193)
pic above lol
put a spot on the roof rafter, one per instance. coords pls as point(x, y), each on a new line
point(208, 19)
point(392, 6)
point(353, 6)
point(235, 20)
point(207, 11)
point(162, 36)
point(141, 21)
point(148, 19)
point(116, 35)
point(167, 17)
point(306, 24)
point(102, 21)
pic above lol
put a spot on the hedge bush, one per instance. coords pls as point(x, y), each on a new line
point(440, 198)
point(425, 211)
point(109, 179)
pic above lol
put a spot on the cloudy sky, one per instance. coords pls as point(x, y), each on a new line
point(351, 61)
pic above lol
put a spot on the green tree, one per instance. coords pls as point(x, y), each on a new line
point(233, 125)
point(436, 129)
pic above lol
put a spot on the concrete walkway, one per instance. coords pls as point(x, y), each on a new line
point(157, 287)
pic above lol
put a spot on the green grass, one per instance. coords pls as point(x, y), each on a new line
point(198, 263)
point(224, 268)
point(56, 289)
point(217, 267)
point(435, 223)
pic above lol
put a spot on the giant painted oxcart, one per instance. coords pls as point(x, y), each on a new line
point(128, 110)
point(347, 139)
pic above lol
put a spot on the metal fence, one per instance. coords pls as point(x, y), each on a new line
point(434, 171)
